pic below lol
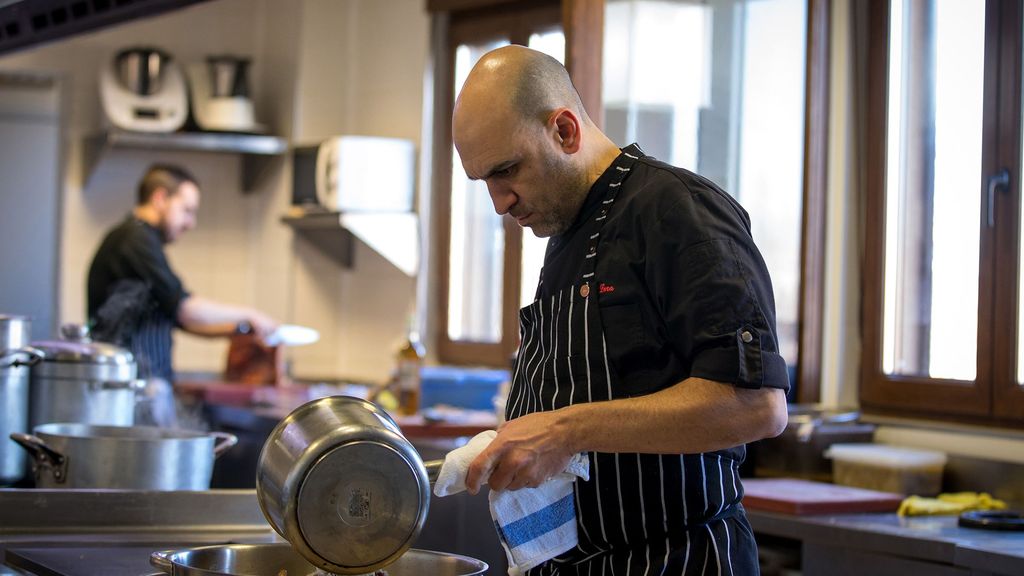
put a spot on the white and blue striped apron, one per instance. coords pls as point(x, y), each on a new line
point(640, 514)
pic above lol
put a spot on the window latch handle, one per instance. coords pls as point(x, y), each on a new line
point(997, 181)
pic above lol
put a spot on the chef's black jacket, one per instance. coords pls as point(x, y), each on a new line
point(134, 294)
point(683, 289)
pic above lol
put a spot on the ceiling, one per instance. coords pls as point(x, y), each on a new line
point(27, 23)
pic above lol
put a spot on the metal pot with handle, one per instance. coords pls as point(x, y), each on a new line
point(337, 479)
point(15, 360)
point(82, 381)
point(123, 457)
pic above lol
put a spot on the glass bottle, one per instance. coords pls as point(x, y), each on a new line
point(410, 361)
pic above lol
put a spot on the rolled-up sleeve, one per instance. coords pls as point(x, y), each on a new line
point(715, 295)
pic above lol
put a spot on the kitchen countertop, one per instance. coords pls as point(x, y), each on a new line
point(270, 404)
point(929, 538)
point(112, 532)
point(93, 518)
point(110, 521)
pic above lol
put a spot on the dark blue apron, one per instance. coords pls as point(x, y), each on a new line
point(640, 514)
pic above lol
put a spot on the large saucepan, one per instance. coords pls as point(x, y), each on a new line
point(337, 479)
point(15, 360)
point(82, 381)
point(281, 559)
point(123, 457)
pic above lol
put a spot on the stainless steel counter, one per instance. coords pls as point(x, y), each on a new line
point(129, 525)
point(934, 543)
point(112, 521)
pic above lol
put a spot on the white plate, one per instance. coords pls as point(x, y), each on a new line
point(292, 335)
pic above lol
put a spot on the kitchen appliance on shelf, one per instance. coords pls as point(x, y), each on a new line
point(220, 94)
point(355, 174)
point(143, 89)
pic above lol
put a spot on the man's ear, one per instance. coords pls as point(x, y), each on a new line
point(568, 131)
point(159, 197)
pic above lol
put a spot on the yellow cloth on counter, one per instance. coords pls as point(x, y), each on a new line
point(952, 503)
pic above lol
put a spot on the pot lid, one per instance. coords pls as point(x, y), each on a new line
point(83, 352)
point(360, 506)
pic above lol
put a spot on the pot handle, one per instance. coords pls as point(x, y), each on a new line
point(224, 441)
point(161, 559)
point(43, 457)
point(136, 385)
point(806, 429)
point(433, 469)
point(24, 356)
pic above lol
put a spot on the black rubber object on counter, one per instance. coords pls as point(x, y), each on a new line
point(992, 520)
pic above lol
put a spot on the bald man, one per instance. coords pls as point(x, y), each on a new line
point(652, 343)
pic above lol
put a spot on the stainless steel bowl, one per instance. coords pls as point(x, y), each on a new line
point(337, 479)
point(281, 560)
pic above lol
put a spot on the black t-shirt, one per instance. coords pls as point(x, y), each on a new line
point(682, 289)
point(134, 295)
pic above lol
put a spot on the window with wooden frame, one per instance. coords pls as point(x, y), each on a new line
point(724, 89)
point(488, 265)
point(504, 276)
point(942, 155)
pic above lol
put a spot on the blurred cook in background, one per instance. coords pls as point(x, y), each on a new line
point(135, 299)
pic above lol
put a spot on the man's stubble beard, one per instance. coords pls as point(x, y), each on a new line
point(567, 191)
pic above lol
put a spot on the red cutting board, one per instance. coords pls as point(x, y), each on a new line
point(793, 496)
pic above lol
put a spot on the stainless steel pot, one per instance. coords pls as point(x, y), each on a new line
point(83, 382)
point(281, 559)
point(123, 457)
point(15, 360)
point(337, 479)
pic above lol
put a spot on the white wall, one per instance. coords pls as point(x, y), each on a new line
point(375, 90)
point(320, 67)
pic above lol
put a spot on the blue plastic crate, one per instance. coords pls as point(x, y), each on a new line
point(472, 388)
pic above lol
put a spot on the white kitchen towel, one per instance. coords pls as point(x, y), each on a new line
point(533, 524)
point(452, 477)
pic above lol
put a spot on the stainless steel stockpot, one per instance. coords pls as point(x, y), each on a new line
point(337, 479)
point(279, 558)
point(123, 457)
point(83, 382)
point(15, 360)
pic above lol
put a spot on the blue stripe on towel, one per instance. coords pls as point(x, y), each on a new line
point(540, 522)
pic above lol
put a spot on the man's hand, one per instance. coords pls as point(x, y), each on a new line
point(527, 451)
point(262, 325)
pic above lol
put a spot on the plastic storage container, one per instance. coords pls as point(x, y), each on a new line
point(888, 468)
point(472, 388)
